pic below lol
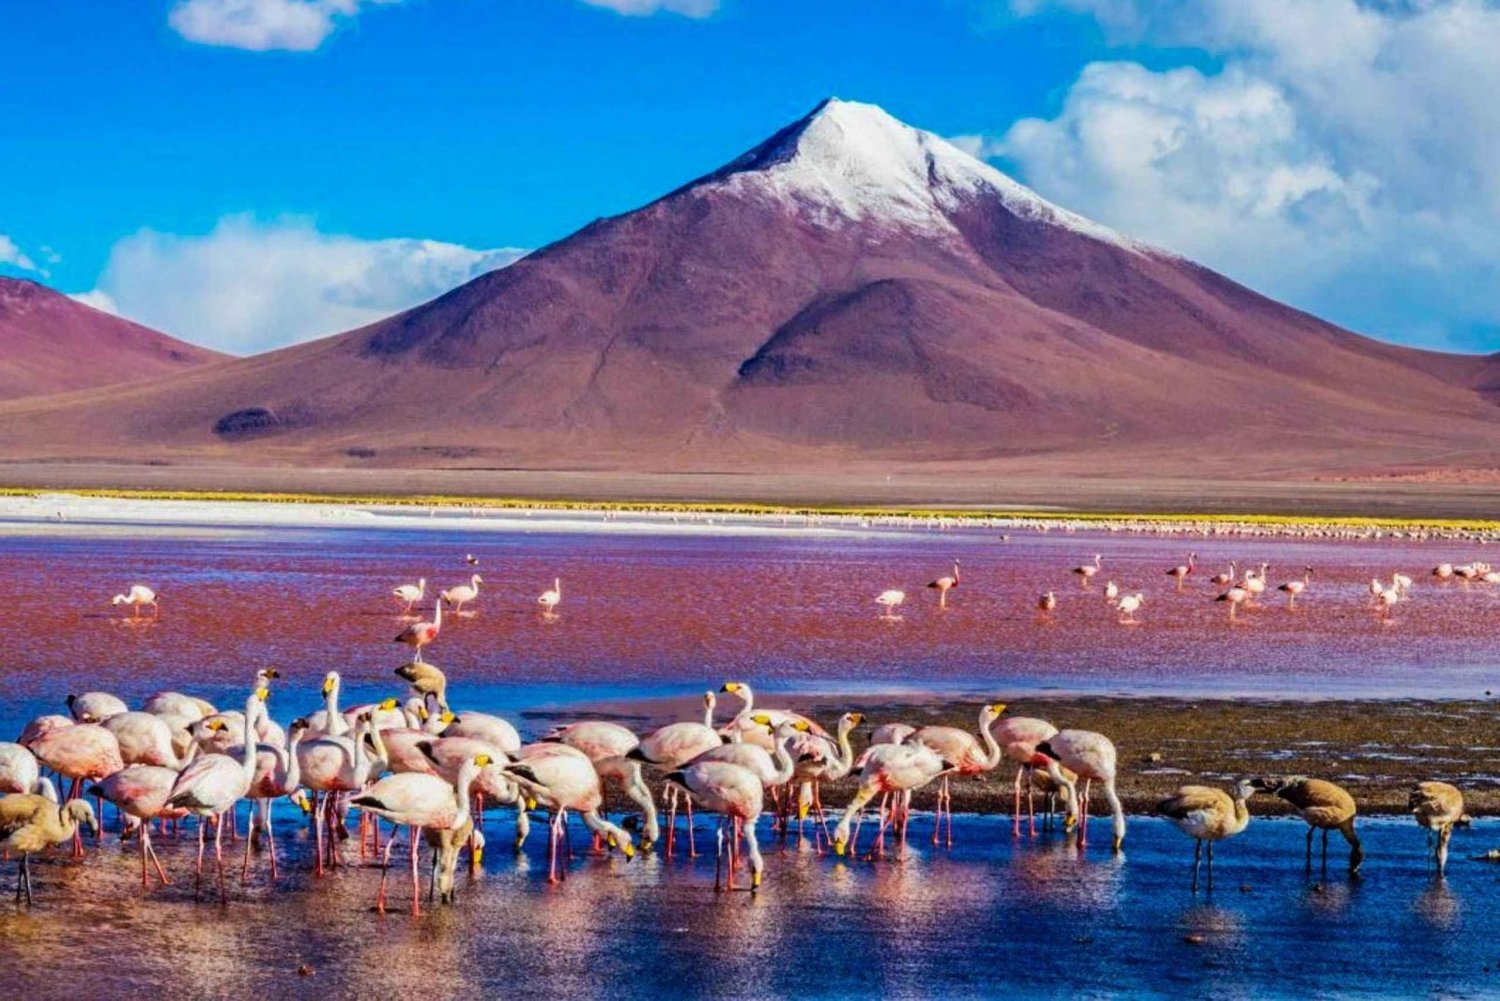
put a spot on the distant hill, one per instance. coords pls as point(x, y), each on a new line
point(50, 343)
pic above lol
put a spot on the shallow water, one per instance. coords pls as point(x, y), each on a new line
point(651, 614)
point(991, 915)
point(648, 614)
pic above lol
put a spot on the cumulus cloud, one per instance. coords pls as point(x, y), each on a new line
point(637, 8)
point(249, 285)
point(1344, 155)
point(263, 25)
point(12, 255)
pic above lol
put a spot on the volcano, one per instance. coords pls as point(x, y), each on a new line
point(852, 292)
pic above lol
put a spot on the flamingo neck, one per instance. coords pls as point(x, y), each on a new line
point(785, 766)
point(293, 762)
point(247, 753)
point(994, 752)
point(748, 698)
point(846, 753)
point(334, 724)
point(461, 792)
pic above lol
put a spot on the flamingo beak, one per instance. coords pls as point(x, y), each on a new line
point(840, 846)
point(303, 803)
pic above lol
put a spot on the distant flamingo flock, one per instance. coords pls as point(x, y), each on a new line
point(417, 763)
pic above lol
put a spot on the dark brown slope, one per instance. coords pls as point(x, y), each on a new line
point(779, 315)
point(52, 344)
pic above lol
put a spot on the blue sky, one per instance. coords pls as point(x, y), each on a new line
point(247, 173)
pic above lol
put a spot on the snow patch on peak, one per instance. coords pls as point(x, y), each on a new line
point(852, 161)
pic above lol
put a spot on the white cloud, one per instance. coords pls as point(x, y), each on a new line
point(262, 25)
point(12, 255)
point(1345, 155)
point(248, 286)
point(637, 8)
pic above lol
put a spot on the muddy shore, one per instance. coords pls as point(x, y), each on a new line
point(1377, 749)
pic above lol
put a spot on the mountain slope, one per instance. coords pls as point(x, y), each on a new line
point(53, 343)
point(850, 291)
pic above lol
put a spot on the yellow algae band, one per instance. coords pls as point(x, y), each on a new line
point(1019, 515)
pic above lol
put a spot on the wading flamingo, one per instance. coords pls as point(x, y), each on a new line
point(737, 795)
point(1181, 572)
point(95, 707)
point(31, 823)
point(1206, 815)
point(968, 755)
point(137, 596)
point(1046, 603)
point(410, 594)
point(1325, 807)
point(1086, 571)
point(561, 778)
point(214, 783)
point(420, 634)
point(84, 751)
point(608, 745)
point(1438, 807)
point(1235, 596)
point(551, 599)
point(1129, 605)
point(945, 584)
point(1225, 576)
point(894, 769)
point(669, 748)
point(1091, 757)
point(419, 802)
point(141, 792)
point(1018, 737)
point(19, 771)
point(462, 594)
point(889, 601)
point(1294, 588)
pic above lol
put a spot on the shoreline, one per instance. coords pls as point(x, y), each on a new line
point(292, 508)
point(1378, 749)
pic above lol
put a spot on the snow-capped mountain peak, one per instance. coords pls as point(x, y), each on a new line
point(849, 161)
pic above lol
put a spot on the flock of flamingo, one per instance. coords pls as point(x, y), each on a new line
point(416, 762)
point(1237, 589)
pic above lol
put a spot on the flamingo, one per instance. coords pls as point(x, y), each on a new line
point(419, 801)
point(410, 594)
point(968, 755)
point(1386, 599)
point(1129, 605)
point(1255, 582)
point(672, 746)
point(821, 759)
point(333, 766)
point(1086, 571)
point(889, 601)
point(1236, 596)
point(137, 596)
point(462, 594)
point(737, 795)
point(743, 727)
point(1324, 806)
point(1375, 588)
point(1225, 576)
point(890, 769)
point(425, 679)
point(141, 792)
point(1089, 756)
point(1111, 593)
point(1018, 737)
point(278, 772)
point(145, 739)
point(483, 726)
point(551, 599)
point(1438, 807)
point(95, 707)
point(31, 823)
point(945, 584)
point(471, 560)
point(84, 751)
point(607, 745)
point(562, 779)
point(19, 771)
point(1401, 582)
point(1046, 603)
point(1206, 815)
point(1181, 572)
point(420, 634)
point(1294, 588)
point(212, 785)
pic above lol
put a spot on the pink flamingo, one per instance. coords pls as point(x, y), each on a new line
point(420, 634)
point(1181, 572)
point(1018, 737)
point(84, 751)
point(1089, 756)
point(965, 752)
point(672, 746)
point(945, 584)
point(141, 792)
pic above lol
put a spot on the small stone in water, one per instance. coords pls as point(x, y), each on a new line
point(1194, 939)
point(304, 970)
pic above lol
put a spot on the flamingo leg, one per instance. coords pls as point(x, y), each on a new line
point(198, 881)
point(1197, 860)
point(385, 871)
point(416, 883)
point(151, 851)
point(1015, 822)
point(219, 859)
point(719, 858)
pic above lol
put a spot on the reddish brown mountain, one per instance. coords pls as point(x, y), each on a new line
point(52, 344)
point(852, 291)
